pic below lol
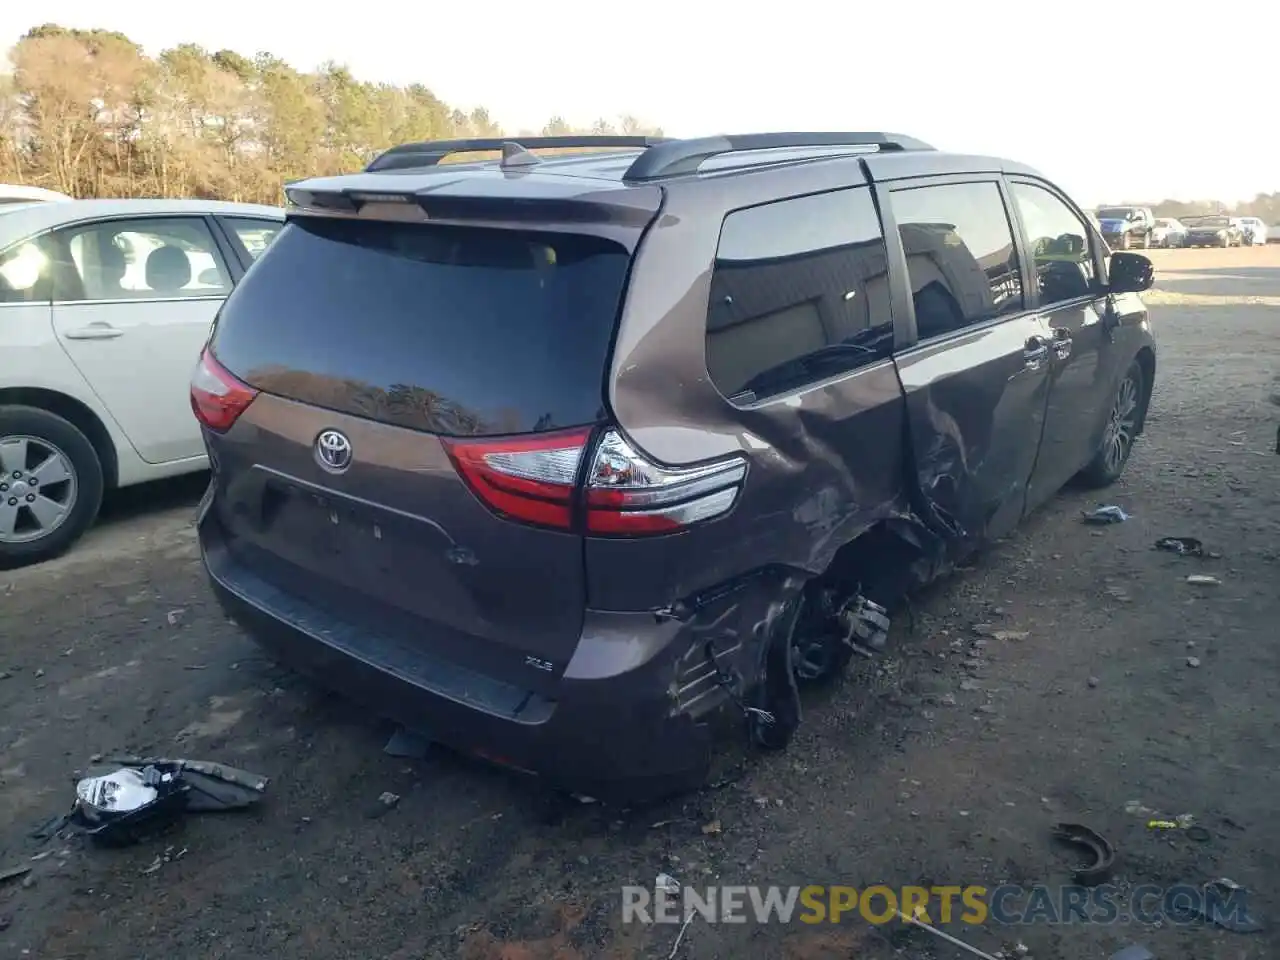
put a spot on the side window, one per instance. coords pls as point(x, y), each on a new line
point(1059, 241)
point(961, 258)
point(162, 258)
point(26, 272)
point(799, 293)
point(254, 235)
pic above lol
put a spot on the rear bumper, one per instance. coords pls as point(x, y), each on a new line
point(614, 738)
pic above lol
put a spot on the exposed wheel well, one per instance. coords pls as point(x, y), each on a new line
point(884, 564)
point(75, 412)
point(1147, 362)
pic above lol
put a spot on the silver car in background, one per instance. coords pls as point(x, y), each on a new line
point(1168, 232)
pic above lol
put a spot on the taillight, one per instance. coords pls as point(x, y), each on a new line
point(534, 480)
point(530, 478)
point(217, 397)
point(630, 495)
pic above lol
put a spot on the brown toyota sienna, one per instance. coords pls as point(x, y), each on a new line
point(551, 458)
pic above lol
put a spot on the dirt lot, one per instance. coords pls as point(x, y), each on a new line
point(946, 763)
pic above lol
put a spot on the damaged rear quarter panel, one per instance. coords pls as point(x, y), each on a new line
point(825, 462)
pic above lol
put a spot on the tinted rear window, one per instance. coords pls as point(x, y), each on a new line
point(451, 330)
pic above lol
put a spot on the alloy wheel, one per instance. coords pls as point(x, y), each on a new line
point(1122, 426)
point(38, 488)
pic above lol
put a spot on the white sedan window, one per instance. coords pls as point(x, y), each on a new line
point(24, 273)
point(145, 259)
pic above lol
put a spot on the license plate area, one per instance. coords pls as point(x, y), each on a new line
point(385, 563)
point(322, 524)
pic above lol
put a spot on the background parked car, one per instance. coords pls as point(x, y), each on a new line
point(1168, 232)
point(104, 308)
point(1253, 229)
point(1214, 230)
point(1125, 227)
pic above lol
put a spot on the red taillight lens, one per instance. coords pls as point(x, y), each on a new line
point(531, 479)
point(535, 480)
point(217, 397)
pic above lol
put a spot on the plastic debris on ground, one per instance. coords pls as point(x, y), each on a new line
point(122, 799)
point(1183, 546)
point(1222, 909)
point(1135, 952)
point(385, 802)
point(1184, 822)
point(407, 745)
point(13, 873)
point(1203, 580)
point(1105, 514)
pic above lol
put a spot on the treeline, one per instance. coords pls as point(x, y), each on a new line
point(87, 113)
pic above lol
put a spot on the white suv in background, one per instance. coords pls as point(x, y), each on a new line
point(1254, 230)
point(105, 306)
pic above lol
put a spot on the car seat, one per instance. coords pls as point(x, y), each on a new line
point(168, 269)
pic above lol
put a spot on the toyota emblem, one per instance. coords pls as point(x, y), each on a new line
point(333, 451)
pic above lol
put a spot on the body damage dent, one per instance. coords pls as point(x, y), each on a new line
point(739, 632)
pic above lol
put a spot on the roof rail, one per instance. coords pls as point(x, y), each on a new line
point(686, 156)
point(515, 150)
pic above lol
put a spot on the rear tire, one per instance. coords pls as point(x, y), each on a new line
point(1128, 407)
point(37, 446)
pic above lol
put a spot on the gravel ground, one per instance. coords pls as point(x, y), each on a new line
point(1113, 681)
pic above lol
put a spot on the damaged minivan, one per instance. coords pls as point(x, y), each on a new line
point(552, 458)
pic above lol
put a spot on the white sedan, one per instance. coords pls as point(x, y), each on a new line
point(104, 308)
point(20, 193)
point(1168, 232)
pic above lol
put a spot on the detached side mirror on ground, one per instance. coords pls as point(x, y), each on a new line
point(1130, 273)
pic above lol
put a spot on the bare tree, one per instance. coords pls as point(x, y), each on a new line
point(87, 113)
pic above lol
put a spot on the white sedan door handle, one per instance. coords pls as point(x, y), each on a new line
point(95, 331)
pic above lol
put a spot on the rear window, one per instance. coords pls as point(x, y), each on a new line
point(450, 330)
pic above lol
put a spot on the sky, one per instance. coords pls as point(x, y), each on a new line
point(1114, 100)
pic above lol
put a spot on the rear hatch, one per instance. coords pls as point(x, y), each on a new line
point(389, 357)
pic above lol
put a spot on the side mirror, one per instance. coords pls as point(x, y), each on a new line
point(1130, 273)
point(209, 278)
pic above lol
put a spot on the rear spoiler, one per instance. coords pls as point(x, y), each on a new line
point(616, 207)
